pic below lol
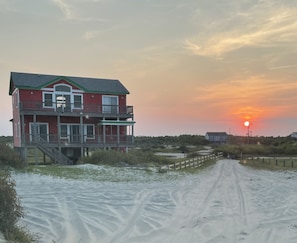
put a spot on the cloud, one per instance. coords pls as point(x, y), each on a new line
point(254, 97)
point(274, 28)
point(65, 8)
point(282, 67)
point(72, 12)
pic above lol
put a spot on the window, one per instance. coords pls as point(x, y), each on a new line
point(62, 98)
point(110, 104)
point(63, 102)
point(89, 131)
point(48, 100)
point(63, 88)
point(77, 101)
point(38, 131)
point(64, 132)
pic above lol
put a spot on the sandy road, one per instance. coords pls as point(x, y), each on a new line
point(224, 203)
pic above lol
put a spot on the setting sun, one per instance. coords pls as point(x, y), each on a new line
point(246, 123)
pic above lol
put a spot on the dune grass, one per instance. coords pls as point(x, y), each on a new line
point(271, 163)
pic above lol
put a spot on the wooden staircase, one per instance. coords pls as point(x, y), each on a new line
point(53, 153)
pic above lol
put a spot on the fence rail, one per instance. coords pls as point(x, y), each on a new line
point(277, 161)
point(192, 163)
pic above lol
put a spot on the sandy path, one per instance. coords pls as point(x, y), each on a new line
point(224, 203)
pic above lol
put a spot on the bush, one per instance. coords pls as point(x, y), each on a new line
point(8, 157)
point(10, 210)
point(135, 157)
point(238, 150)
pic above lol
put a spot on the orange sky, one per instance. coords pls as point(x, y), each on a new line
point(191, 66)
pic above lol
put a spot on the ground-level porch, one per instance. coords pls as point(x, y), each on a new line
point(74, 137)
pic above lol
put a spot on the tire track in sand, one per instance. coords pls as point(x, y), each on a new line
point(240, 194)
point(141, 199)
point(212, 190)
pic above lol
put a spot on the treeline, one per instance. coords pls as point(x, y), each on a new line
point(196, 140)
point(6, 139)
point(268, 141)
point(236, 145)
point(163, 141)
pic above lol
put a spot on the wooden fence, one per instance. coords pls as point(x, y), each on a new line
point(278, 161)
point(192, 162)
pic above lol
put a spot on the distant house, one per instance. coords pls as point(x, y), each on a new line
point(217, 137)
point(293, 135)
point(64, 117)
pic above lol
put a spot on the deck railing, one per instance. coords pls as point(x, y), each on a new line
point(74, 108)
point(78, 140)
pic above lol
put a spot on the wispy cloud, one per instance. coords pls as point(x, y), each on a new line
point(255, 97)
point(71, 11)
point(281, 67)
point(65, 8)
point(271, 29)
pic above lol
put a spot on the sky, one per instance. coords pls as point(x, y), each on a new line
point(191, 66)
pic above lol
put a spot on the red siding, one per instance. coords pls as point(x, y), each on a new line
point(95, 99)
point(30, 95)
point(16, 124)
point(122, 100)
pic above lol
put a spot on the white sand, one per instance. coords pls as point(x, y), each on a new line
point(2, 239)
point(225, 203)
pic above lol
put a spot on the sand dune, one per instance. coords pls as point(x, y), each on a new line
point(225, 203)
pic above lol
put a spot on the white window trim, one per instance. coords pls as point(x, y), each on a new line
point(82, 103)
point(85, 131)
point(67, 85)
point(43, 100)
point(67, 133)
point(55, 93)
point(38, 123)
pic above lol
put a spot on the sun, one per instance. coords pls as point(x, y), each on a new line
point(246, 123)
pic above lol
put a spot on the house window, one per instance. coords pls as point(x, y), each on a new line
point(89, 130)
point(62, 98)
point(48, 100)
point(63, 88)
point(110, 104)
point(77, 101)
point(61, 101)
point(38, 131)
point(64, 132)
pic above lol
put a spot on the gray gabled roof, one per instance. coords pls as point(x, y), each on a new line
point(91, 85)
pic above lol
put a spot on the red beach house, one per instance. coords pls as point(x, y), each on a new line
point(65, 117)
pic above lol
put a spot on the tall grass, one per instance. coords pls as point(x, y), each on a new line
point(135, 157)
point(8, 157)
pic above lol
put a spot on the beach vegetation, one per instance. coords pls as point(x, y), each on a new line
point(8, 157)
point(132, 158)
point(11, 211)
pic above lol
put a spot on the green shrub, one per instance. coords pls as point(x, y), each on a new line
point(10, 210)
point(8, 157)
point(135, 157)
point(238, 150)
